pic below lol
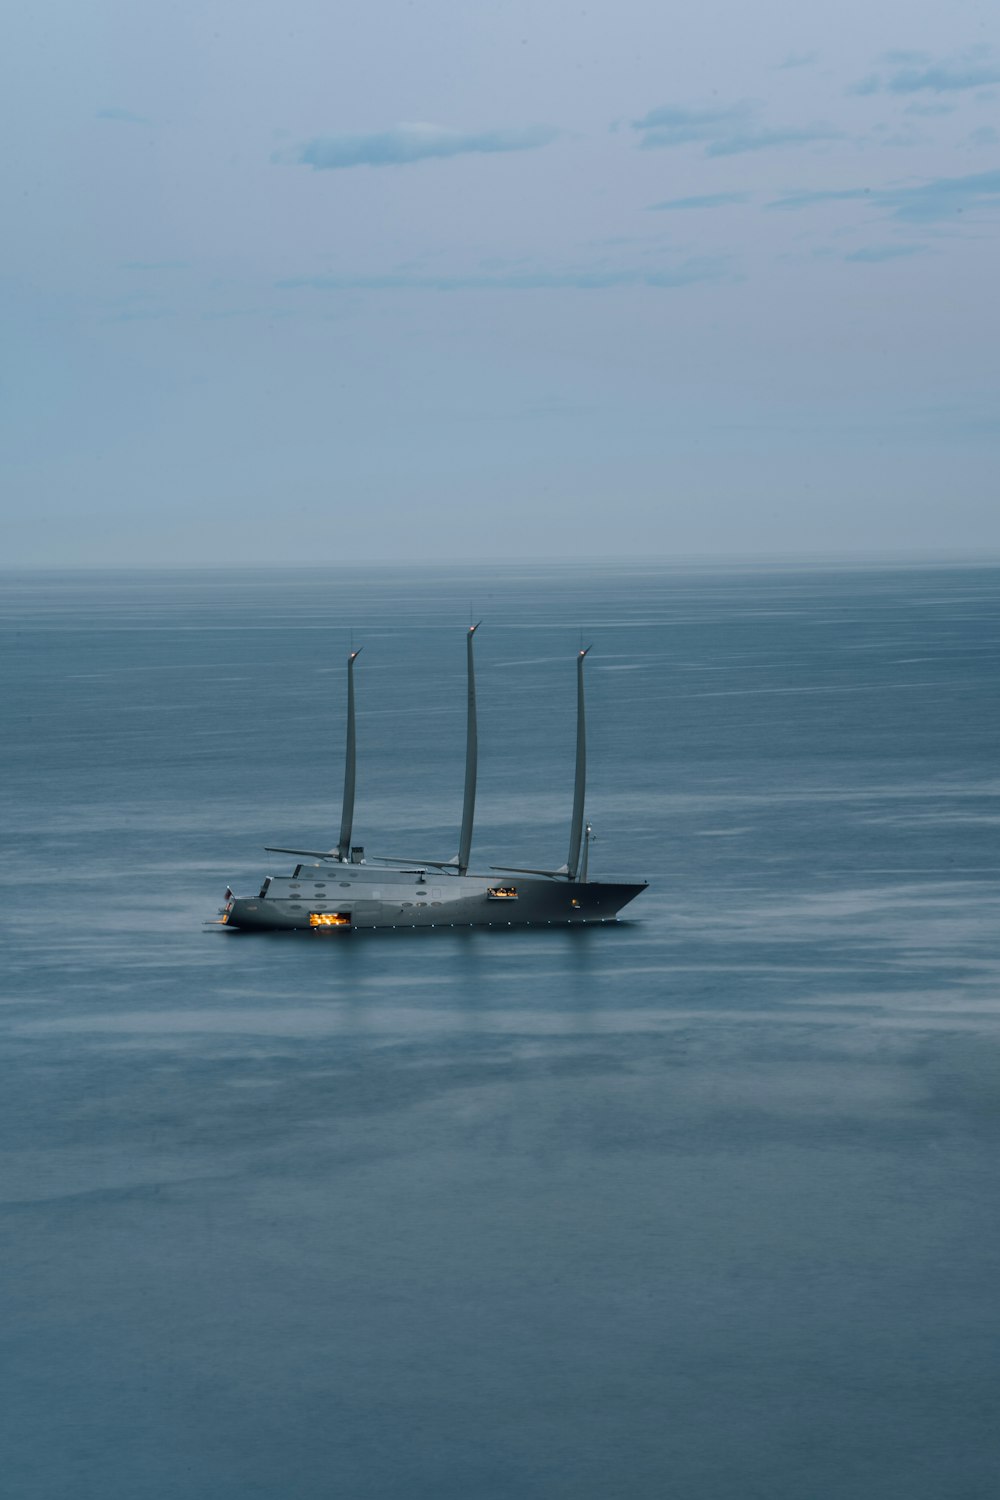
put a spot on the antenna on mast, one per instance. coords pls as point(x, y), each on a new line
point(350, 766)
point(580, 784)
point(471, 755)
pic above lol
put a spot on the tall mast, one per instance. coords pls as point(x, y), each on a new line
point(347, 817)
point(471, 756)
point(580, 787)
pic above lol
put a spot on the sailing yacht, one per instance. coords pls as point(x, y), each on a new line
point(340, 890)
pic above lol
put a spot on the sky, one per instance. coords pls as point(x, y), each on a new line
point(306, 283)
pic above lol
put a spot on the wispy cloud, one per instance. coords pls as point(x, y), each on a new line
point(139, 315)
point(123, 117)
point(872, 254)
point(915, 72)
point(925, 203)
point(405, 144)
point(810, 196)
point(764, 139)
point(944, 198)
point(904, 55)
point(797, 60)
point(673, 126)
point(155, 265)
point(943, 78)
point(727, 131)
point(703, 200)
point(887, 135)
point(600, 279)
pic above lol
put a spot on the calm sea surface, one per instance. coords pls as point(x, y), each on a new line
point(702, 1206)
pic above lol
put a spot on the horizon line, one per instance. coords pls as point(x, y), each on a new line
point(901, 557)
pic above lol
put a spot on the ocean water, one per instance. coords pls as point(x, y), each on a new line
point(703, 1205)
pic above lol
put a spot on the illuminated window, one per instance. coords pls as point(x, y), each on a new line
point(502, 893)
point(329, 919)
point(573, 901)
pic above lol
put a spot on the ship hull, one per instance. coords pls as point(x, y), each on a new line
point(321, 900)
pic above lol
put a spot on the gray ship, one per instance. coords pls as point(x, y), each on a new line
point(339, 890)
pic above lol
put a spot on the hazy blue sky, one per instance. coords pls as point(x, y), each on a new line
point(318, 282)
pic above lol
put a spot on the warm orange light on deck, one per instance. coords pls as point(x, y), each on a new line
point(329, 919)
